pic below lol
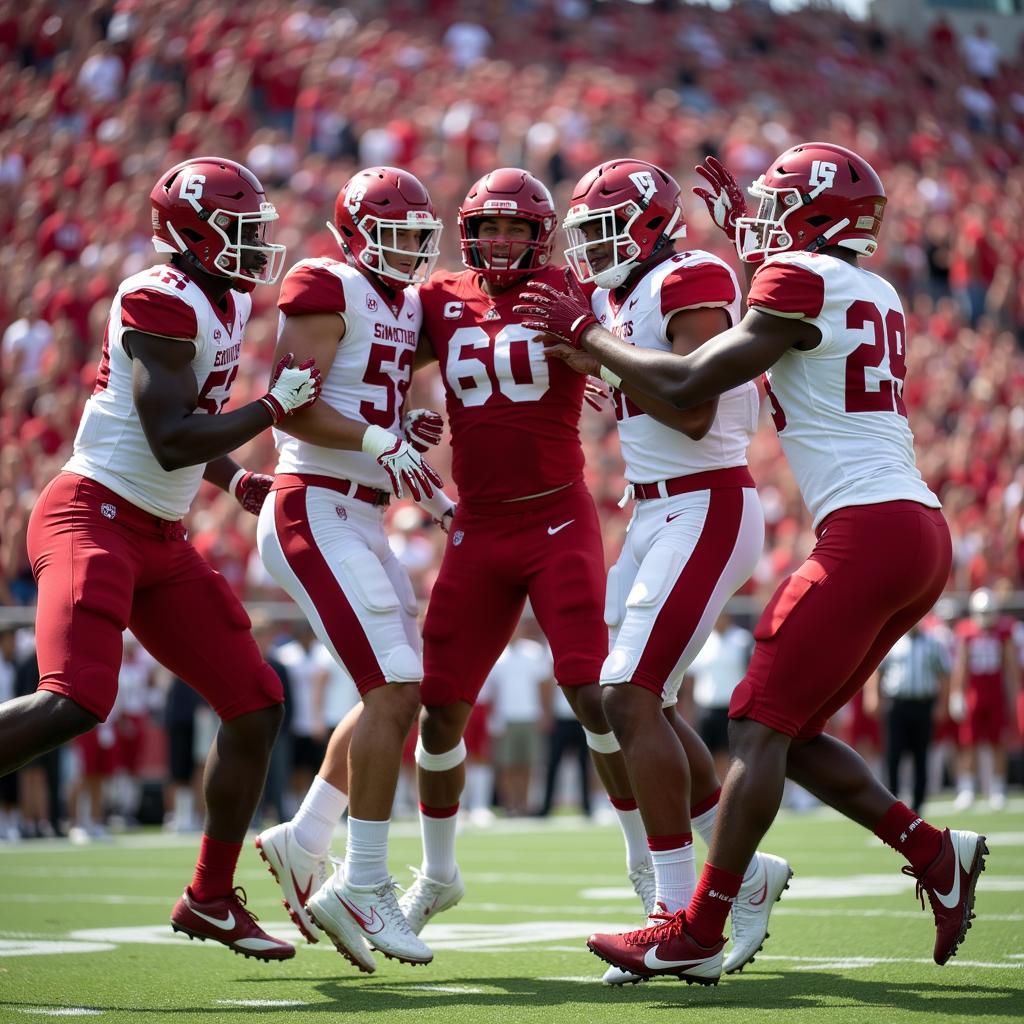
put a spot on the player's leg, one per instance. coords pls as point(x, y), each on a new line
point(84, 566)
point(474, 607)
point(337, 569)
point(188, 618)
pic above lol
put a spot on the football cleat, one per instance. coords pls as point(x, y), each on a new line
point(751, 908)
point(949, 881)
point(646, 887)
point(427, 897)
point(298, 873)
point(666, 947)
point(359, 916)
point(227, 920)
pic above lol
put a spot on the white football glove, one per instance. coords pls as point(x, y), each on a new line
point(422, 428)
point(402, 463)
point(292, 387)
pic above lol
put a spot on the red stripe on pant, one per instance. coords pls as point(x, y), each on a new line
point(691, 592)
point(310, 567)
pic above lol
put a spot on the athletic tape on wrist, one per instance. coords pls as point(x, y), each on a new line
point(440, 762)
point(610, 377)
point(233, 486)
point(602, 742)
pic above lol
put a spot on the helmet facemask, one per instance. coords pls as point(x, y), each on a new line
point(381, 240)
point(520, 256)
point(240, 243)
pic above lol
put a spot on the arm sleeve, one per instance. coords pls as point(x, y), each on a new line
point(311, 289)
point(697, 287)
point(787, 289)
point(156, 312)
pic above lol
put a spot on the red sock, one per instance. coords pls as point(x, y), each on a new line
point(215, 869)
point(711, 903)
point(910, 835)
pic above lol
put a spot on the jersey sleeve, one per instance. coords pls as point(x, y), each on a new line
point(311, 289)
point(787, 289)
point(704, 285)
point(157, 312)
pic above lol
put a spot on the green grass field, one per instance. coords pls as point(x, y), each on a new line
point(84, 932)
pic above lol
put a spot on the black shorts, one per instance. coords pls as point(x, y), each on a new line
point(308, 753)
point(713, 727)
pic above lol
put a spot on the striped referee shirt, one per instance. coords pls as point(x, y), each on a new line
point(914, 668)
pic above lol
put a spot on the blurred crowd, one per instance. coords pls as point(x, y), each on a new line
point(97, 97)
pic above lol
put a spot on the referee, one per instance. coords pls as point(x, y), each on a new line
point(914, 684)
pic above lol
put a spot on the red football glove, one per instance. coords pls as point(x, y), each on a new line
point(562, 314)
point(252, 490)
point(292, 387)
point(726, 203)
point(422, 428)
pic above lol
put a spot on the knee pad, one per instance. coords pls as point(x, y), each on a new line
point(402, 665)
point(440, 762)
point(602, 742)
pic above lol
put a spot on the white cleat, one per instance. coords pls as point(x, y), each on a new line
point(298, 873)
point(427, 897)
point(645, 886)
point(964, 800)
point(751, 909)
point(359, 916)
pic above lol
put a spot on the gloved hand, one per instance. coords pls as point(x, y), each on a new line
point(563, 314)
point(251, 490)
point(422, 428)
point(402, 463)
point(726, 202)
point(292, 387)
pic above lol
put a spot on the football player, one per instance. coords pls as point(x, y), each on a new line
point(832, 338)
point(697, 529)
point(321, 536)
point(108, 548)
point(525, 525)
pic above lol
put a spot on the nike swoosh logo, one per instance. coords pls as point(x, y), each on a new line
point(228, 923)
point(674, 515)
point(372, 924)
point(762, 895)
point(952, 898)
point(303, 894)
point(552, 530)
point(652, 960)
point(633, 302)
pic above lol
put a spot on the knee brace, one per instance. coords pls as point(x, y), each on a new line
point(602, 742)
point(440, 762)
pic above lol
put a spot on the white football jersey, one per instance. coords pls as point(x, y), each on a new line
point(839, 407)
point(111, 447)
point(652, 451)
point(372, 368)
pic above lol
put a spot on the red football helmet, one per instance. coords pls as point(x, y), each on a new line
point(507, 192)
point(371, 209)
point(812, 196)
point(622, 212)
point(217, 211)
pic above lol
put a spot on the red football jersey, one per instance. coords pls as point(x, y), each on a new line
point(514, 415)
point(986, 646)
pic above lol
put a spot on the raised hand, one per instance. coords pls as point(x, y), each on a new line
point(565, 314)
point(404, 466)
point(725, 202)
point(292, 387)
point(422, 428)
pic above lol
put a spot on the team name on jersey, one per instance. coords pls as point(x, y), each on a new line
point(227, 356)
point(388, 332)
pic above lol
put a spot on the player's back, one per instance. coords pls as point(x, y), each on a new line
point(372, 368)
point(839, 407)
point(111, 446)
point(651, 450)
point(984, 650)
point(514, 415)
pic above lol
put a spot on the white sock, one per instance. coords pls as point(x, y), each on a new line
point(675, 875)
point(438, 845)
point(317, 816)
point(475, 794)
point(366, 851)
point(635, 834)
point(704, 826)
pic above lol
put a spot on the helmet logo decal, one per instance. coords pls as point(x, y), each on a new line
point(644, 182)
point(192, 190)
point(823, 176)
point(354, 199)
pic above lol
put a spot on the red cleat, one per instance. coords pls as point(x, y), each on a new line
point(949, 882)
point(226, 920)
point(665, 948)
